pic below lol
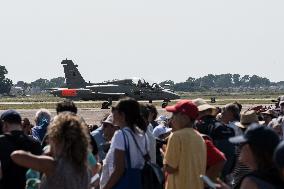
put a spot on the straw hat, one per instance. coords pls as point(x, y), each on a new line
point(203, 105)
point(247, 118)
point(269, 112)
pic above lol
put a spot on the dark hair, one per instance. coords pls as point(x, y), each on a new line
point(152, 109)
point(239, 106)
point(234, 109)
point(131, 109)
point(66, 106)
point(144, 111)
point(263, 151)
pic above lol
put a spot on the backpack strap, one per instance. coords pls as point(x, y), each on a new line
point(146, 157)
point(126, 146)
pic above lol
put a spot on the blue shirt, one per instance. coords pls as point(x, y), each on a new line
point(100, 140)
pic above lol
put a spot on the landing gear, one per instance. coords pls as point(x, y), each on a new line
point(105, 105)
point(165, 103)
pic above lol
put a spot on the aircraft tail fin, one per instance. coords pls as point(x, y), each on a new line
point(72, 75)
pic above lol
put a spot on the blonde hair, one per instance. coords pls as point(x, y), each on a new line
point(70, 133)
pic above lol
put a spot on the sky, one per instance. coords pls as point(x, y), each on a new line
point(154, 39)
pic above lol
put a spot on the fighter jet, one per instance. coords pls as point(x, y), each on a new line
point(78, 89)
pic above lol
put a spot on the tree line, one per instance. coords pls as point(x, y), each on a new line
point(221, 81)
point(208, 82)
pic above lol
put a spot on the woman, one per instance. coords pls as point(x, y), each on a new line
point(69, 145)
point(127, 116)
point(257, 147)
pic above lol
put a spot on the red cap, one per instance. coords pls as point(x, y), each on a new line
point(186, 107)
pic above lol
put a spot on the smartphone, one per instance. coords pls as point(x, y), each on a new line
point(208, 181)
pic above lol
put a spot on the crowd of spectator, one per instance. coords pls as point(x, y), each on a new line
point(199, 146)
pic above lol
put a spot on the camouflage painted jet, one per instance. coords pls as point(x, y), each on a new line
point(79, 89)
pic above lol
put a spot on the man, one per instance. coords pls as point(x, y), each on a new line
point(42, 121)
point(207, 124)
point(268, 116)
point(13, 176)
point(231, 116)
point(103, 136)
point(185, 156)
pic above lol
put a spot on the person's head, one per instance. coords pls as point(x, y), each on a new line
point(184, 114)
point(145, 113)
point(257, 147)
point(162, 120)
point(247, 118)
point(153, 113)
point(268, 116)
point(41, 116)
point(204, 108)
point(66, 106)
point(239, 106)
point(161, 132)
point(127, 113)
point(10, 120)
point(69, 139)
point(276, 125)
point(230, 113)
point(109, 128)
point(279, 158)
point(26, 126)
point(281, 105)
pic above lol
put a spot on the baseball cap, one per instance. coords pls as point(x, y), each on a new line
point(186, 107)
point(160, 130)
point(11, 116)
point(258, 136)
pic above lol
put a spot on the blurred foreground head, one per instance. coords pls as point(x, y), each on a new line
point(69, 139)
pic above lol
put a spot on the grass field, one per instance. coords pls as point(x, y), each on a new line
point(49, 102)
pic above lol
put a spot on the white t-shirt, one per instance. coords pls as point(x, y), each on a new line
point(137, 161)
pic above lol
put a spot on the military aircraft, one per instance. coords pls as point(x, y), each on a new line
point(78, 89)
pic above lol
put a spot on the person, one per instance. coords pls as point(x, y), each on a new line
point(27, 126)
point(231, 116)
point(145, 113)
point(42, 121)
point(13, 175)
point(103, 135)
point(257, 154)
point(152, 116)
point(127, 116)
point(66, 105)
point(240, 170)
point(185, 156)
point(281, 105)
point(276, 125)
point(215, 159)
point(69, 143)
point(161, 133)
point(207, 124)
point(268, 116)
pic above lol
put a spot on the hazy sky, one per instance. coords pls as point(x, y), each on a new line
point(154, 39)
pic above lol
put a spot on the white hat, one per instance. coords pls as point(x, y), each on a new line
point(109, 119)
point(160, 130)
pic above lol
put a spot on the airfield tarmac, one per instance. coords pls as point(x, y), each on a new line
point(95, 115)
